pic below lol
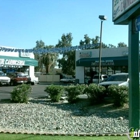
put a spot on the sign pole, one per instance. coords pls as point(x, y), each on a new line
point(133, 63)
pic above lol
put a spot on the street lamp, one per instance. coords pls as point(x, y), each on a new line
point(102, 18)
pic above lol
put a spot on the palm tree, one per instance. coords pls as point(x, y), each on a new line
point(49, 61)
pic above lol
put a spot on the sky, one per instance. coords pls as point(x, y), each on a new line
point(23, 22)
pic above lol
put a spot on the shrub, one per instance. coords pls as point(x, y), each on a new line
point(95, 93)
point(74, 91)
point(20, 93)
point(55, 92)
point(119, 95)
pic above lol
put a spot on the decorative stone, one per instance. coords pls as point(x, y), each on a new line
point(59, 118)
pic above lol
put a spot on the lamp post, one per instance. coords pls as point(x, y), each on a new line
point(102, 18)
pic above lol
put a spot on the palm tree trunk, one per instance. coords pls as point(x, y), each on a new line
point(47, 69)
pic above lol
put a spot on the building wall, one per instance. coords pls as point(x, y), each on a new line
point(106, 52)
point(80, 74)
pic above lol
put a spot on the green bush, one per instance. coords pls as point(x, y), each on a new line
point(119, 95)
point(20, 93)
point(95, 93)
point(55, 92)
point(73, 92)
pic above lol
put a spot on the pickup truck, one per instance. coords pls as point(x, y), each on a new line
point(19, 78)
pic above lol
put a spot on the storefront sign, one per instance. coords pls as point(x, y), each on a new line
point(14, 62)
point(25, 54)
point(103, 63)
point(1, 61)
point(121, 6)
point(85, 54)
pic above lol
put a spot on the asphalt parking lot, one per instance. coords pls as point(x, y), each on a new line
point(37, 92)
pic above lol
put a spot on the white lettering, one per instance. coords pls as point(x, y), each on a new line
point(136, 134)
point(1, 61)
point(14, 62)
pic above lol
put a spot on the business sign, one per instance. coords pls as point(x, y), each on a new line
point(12, 62)
point(137, 24)
point(103, 63)
point(121, 6)
point(25, 54)
point(85, 54)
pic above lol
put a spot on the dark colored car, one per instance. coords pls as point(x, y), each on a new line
point(18, 78)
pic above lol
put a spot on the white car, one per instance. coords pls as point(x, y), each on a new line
point(120, 79)
point(67, 80)
point(96, 78)
point(4, 80)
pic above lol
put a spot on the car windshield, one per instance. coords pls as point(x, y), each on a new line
point(21, 75)
point(117, 78)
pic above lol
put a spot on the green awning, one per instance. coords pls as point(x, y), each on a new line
point(106, 61)
point(17, 61)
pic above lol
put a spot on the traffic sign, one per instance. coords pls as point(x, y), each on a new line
point(137, 24)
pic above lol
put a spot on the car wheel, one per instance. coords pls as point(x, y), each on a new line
point(8, 84)
point(32, 83)
point(12, 83)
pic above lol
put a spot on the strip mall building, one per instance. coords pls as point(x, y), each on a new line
point(113, 60)
point(17, 61)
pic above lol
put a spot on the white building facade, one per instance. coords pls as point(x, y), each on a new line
point(17, 61)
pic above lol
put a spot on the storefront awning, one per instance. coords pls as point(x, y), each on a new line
point(17, 61)
point(106, 61)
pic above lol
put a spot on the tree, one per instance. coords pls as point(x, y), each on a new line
point(87, 39)
point(47, 60)
point(93, 41)
point(121, 44)
point(39, 45)
point(67, 62)
point(111, 46)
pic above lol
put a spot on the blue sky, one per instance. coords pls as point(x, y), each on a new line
point(23, 22)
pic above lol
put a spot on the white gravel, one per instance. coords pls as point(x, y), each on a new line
point(60, 118)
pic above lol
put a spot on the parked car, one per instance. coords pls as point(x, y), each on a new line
point(4, 79)
point(19, 78)
point(68, 80)
point(120, 79)
point(96, 78)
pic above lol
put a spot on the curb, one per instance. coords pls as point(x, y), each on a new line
point(58, 134)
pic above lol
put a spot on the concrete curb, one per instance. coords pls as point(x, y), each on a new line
point(57, 134)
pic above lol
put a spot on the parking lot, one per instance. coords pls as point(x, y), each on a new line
point(38, 91)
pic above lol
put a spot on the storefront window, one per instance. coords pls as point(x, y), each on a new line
point(117, 69)
point(125, 69)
